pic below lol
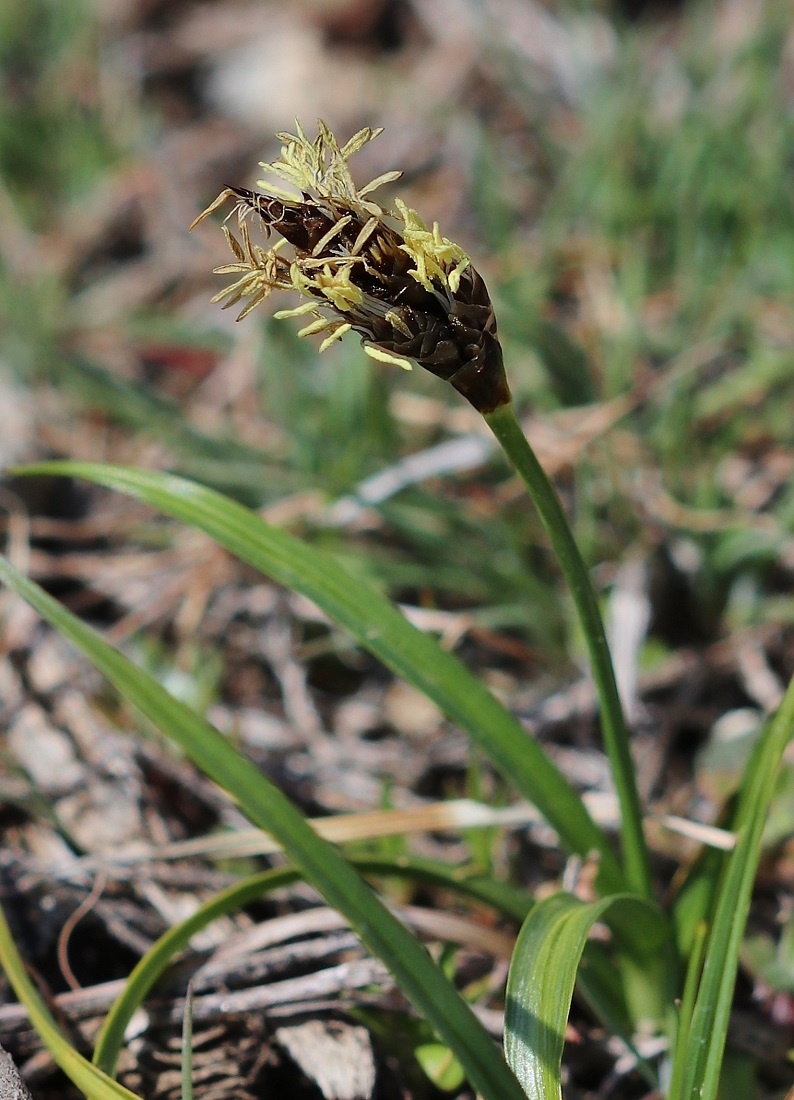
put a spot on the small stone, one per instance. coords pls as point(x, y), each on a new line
point(46, 754)
point(335, 1055)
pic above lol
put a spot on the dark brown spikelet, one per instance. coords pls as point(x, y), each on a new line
point(303, 224)
point(411, 294)
point(452, 337)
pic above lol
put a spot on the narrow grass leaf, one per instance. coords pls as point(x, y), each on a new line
point(379, 627)
point(89, 1079)
point(705, 1045)
point(683, 1020)
point(151, 966)
point(694, 902)
point(542, 977)
point(321, 863)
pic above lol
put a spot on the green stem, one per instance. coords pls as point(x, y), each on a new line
point(504, 425)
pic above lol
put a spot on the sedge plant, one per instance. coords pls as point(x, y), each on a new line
point(414, 298)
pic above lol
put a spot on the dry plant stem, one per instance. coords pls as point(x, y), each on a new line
point(504, 425)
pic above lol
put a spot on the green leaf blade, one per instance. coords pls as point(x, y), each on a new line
point(703, 1049)
point(320, 862)
point(153, 964)
point(379, 627)
point(91, 1080)
point(542, 978)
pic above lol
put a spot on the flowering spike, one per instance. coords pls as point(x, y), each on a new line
point(409, 292)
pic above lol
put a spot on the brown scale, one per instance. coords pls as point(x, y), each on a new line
point(303, 224)
point(457, 341)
